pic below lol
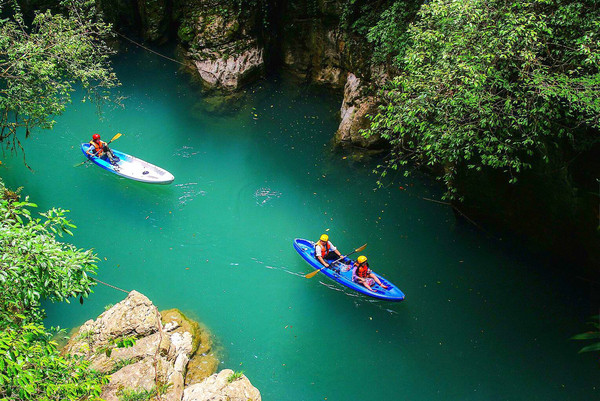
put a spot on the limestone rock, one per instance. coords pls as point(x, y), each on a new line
point(144, 347)
point(135, 316)
point(314, 52)
point(138, 376)
point(222, 387)
point(203, 361)
point(230, 71)
point(356, 107)
point(221, 44)
point(160, 360)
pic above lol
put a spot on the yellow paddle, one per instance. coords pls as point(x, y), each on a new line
point(312, 274)
point(117, 136)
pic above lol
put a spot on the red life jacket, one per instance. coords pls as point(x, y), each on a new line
point(324, 249)
point(362, 270)
point(98, 148)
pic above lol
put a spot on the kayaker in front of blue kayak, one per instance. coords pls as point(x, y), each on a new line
point(100, 149)
point(325, 251)
point(363, 275)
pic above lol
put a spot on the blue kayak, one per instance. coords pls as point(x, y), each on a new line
point(306, 249)
point(131, 167)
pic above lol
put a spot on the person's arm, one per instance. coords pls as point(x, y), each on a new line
point(320, 259)
point(334, 249)
point(355, 277)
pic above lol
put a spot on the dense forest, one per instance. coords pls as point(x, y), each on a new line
point(497, 99)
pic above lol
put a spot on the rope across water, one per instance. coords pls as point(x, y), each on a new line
point(109, 285)
point(150, 50)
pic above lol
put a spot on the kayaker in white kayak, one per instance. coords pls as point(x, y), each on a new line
point(325, 251)
point(100, 149)
point(363, 275)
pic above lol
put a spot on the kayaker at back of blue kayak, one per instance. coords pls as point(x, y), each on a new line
point(361, 274)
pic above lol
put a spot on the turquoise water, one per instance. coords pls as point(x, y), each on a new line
point(480, 322)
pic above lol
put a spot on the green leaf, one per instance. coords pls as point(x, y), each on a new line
point(590, 348)
point(586, 336)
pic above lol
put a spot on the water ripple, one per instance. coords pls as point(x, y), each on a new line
point(190, 192)
point(285, 269)
point(186, 152)
point(264, 195)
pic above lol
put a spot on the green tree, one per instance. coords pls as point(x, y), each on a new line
point(389, 34)
point(493, 84)
point(34, 266)
point(41, 63)
point(32, 369)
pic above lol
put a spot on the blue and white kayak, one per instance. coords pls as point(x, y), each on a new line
point(131, 167)
point(306, 249)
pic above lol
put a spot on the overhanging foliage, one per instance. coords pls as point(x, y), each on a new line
point(42, 61)
point(493, 84)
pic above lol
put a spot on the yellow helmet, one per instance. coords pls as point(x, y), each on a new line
point(324, 238)
point(362, 259)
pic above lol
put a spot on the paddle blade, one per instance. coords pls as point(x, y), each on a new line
point(116, 137)
point(361, 248)
point(312, 274)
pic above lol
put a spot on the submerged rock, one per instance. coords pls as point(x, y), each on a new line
point(169, 351)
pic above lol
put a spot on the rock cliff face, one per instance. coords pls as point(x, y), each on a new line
point(155, 18)
point(356, 107)
point(312, 45)
point(223, 44)
point(227, 42)
point(158, 361)
point(220, 41)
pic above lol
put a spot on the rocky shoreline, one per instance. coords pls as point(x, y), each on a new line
point(162, 355)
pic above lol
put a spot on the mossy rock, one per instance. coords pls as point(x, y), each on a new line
point(204, 361)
